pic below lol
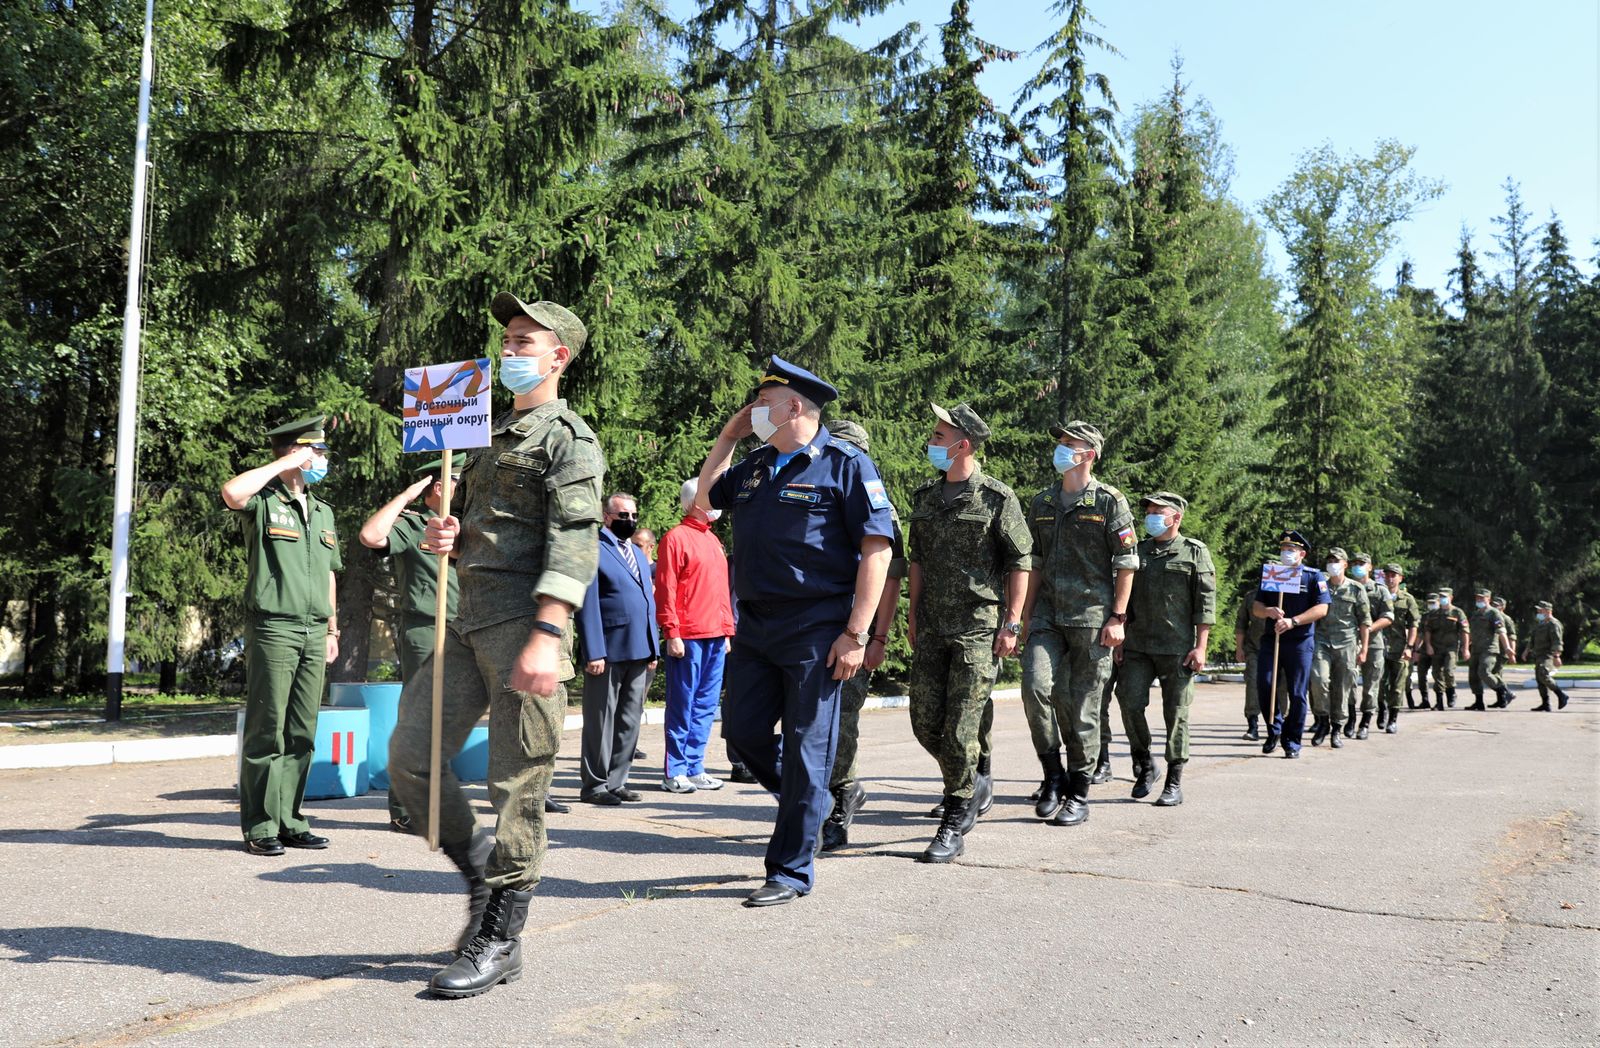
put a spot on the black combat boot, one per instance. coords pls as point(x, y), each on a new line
point(1319, 730)
point(494, 955)
point(1336, 739)
point(1366, 719)
point(1102, 767)
point(1172, 792)
point(1450, 697)
point(1561, 698)
point(947, 839)
point(1543, 707)
point(1383, 718)
point(1076, 809)
point(1505, 697)
point(460, 853)
point(1054, 786)
point(847, 800)
point(1393, 727)
point(1144, 775)
point(1478, 705)
point(1253, 732)
point(983, 787)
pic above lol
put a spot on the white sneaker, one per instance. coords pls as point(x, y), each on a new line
point(705, 782)
point(680, 784)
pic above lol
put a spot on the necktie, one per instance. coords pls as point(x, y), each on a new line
point(627, 555)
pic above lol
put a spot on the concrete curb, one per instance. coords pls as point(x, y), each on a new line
point(189, 747)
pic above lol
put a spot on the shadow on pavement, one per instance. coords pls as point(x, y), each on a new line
point(208, 959)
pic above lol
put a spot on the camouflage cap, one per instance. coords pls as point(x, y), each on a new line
point(565, 323)
point(1433, 594)
point(1544, 605)
point(1499, 602)
point(1481, 592)
point(1166, 498)
point(308, 430)
point(1446, 591)
point(1360, 558)
point(853, 432)
point(1078, 429)
point(965, 419)
point(1394, 569)
point(1338, 553)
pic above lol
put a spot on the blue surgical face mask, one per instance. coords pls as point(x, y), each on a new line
point(1444, 602)
point(939, 458)
point(1358, 571)
point(1483, 605)
point(1154, 524)
point(315, 470)
point(1542, 617)
point(521, 374)
point(1064, 458)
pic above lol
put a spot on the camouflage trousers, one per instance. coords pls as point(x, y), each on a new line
point(1139, 670)
point(852, 697)
point(1483, 672)
point(1371, 681)
point(524, 737)
point(1065, 668)
point(952, 680)
point(1396, 679)
point(1443, 669)
point(1252, 686)
point(1333, 681)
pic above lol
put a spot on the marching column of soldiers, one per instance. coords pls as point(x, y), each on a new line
point(1061, 580)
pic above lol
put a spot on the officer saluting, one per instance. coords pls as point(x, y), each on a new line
point(292, 553)
point(811, 531)
point(1293, 623)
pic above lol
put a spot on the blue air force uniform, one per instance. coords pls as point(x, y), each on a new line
point(1296, 650)
point(798, 525)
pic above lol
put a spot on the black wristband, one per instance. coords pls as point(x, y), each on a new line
point(548, 627)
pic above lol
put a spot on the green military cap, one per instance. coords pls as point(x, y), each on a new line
point(1394, 569)
point(1360, 558)
point(853, 432)
point(1446, 591)
point(1078, 429)
point(306, 430)
point(568, 328)
point(1499, 602)
point(965, 419)
point(1544, 605)
point(1481, 592)
point(1338, 553)
point(1433, 594)
point(1166, 498)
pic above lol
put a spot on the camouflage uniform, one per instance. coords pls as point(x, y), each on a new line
point(1503, 656)
point(1405, 614)
point(1380, 606)
point(1485, 626)
point(964, 549)
point(1544, 647)
point(1444, 629)
point(1174, 591)
point(1333, 677)
point(530, 504)
point(853, 695)
point(1078, 548)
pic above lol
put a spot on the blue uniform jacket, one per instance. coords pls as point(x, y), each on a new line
point(797, 535)
point(617, 620)
point(1313, 591)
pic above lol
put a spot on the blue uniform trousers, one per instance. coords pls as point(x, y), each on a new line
point(1294, 666)
point(778, 678)
point(694, 684)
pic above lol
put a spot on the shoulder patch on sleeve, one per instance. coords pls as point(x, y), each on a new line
point(1322, 585)
point(877, 497)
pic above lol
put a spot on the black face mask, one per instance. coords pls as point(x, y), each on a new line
point(623, 528)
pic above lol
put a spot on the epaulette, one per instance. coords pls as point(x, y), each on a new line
point(996, 484)
point(926, 486)
point(844, 446)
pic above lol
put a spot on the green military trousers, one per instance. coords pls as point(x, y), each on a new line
point(1372, 675)
point(285, 665)
point(1333, 681)
point(952, 678)
point(524, 737)
point(414, 644)
point(1396, 672)
point(1483, 672)
point(1139, 670)
point(1444, 671)
point(852, 697)
point(1065, 667)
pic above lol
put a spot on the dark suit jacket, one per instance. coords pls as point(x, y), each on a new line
point(617, 621)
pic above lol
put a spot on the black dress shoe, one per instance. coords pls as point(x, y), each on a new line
point(639, 755)
point(604, 798)
point(555, 807)
point(401, 824)
point(771, 894)
point(1293, 755)
point(740, 773)
point(1271, 743)
point(628, 795)
point(303, 839)
point(264, 846)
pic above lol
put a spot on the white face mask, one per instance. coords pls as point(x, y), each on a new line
point(1335, 567)
point(1290, 557)
point(713, 515)
point(761, 422)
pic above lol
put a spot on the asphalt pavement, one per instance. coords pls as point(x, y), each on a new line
point(1438, 886)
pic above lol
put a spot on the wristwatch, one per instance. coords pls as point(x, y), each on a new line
point(1119, 617)
point(860, 638)
point(1013, 628)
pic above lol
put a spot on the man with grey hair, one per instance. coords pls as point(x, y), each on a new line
point(695, 613)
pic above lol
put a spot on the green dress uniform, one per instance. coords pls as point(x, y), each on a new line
point(416, 570)
point(529, 509)
point(965, 538)
point(1174, 591)
point(1484, 626)
point(1333, 669)
point(1445, 629)
point(1544, 645)
point(1081, 540)
point(291, 552)
point(1405, 615)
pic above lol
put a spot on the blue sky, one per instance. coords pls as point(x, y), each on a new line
point(1482, 90)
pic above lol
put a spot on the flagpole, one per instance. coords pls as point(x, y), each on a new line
point(128, 403)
